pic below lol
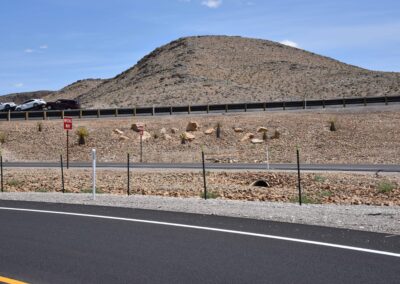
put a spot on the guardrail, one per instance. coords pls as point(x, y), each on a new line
point(162, 110)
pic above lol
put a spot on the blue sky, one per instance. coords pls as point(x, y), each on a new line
point(47, 44)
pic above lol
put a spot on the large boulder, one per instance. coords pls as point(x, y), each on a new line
point(192, 126)
point(238, 129)
point(174, 130)
point(136, 126)
point(189, 136)
point(262, 129)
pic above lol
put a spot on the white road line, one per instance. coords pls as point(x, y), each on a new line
point(386, 253)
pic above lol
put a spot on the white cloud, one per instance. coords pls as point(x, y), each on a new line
point(18, 85)
point(44, 46)
point(212, 3)
point(28, 50)
point(289, 43)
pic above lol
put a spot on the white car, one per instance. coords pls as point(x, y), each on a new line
point(31, 104)
point(7, 106)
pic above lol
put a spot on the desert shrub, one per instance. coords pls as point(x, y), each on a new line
point(40, 126)
point(2, 137)
point(332, 125)
point(276, 135)
point(210, 195)
point(82, 133)
point(386, 186)
point(183, 138)
point(319, 178)
point(218, 132)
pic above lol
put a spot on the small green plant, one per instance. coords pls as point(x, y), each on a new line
point(90, 190)
point(82, 133)
point(183, 138)
point(326, 193)
point(2, 137)
point(40, 126)
point(14, 182)
point(386, 186)
point(41, 189)
point(218, 132)
point(210, 195)
point(304, 200)
point(319, 178)
point(332, 125)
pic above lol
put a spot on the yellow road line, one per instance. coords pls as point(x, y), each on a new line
point(10, 281)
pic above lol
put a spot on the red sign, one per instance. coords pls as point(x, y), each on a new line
point(141, 129)
point(67, 123)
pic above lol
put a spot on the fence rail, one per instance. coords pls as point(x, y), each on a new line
point(189, 109)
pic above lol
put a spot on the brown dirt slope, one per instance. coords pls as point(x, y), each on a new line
point(222, 69)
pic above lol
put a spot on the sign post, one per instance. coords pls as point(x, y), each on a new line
point(67, 127)
point(94, 174)
point(141, 130)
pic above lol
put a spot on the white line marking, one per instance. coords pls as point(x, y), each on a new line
point(387, 253)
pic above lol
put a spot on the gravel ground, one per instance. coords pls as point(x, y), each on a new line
point(357, 217)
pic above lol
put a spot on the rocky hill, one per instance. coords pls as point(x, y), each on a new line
point(223, 69)
point(69, 92)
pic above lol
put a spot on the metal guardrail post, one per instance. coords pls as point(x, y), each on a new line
point(9, 116)
point(134, 111)
point(344, 102)
point(62, 114)
point(365, 101)
point(80, 113)
point(189, 109)
point(26, 115)
point(226, 108)
point(284, 105)
point(245, 107)
point(208, 108)
point(323, 103)
point(170, 110)
point(386, 100)
point(44, 115)
point(153, 111)
point(116, 112)
point(264, 106)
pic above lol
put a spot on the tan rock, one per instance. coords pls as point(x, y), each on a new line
point(209, 131)
point(117, 131)
point(166, 136)
point(174, 130)
point(257, 141)
point(247, 136)
point(136, 126)
point(190, 136)
point(163, 130)
point(192, 126)
point(123, 138)
point(238, 130)
point(262, 129)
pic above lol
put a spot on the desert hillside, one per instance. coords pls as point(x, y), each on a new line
point(69, 92)
point(222, 69)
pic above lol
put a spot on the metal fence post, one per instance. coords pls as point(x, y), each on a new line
point(129, 190)
point(2, 177)
point(204, 174)
point(94, 174)
point(298, 174)
point(62, 174)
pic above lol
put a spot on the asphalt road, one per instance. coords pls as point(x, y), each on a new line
point(215, 166)
point(71, 247)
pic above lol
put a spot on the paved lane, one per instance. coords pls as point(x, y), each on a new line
point(40, 247)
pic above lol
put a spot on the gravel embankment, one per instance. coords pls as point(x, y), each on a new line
point(357, 217)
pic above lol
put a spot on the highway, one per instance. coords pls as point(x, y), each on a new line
point(216, 166)
point(58, 243)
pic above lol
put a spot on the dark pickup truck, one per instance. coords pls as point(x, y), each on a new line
point(63, 104)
